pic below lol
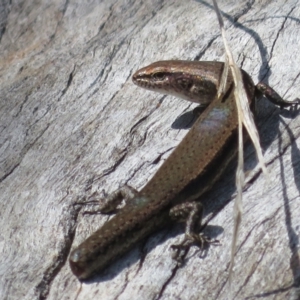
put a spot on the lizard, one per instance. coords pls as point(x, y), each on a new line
point(190, 170)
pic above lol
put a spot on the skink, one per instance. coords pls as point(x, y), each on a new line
point(191, 169)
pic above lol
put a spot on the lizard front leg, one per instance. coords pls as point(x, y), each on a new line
point(272, 96)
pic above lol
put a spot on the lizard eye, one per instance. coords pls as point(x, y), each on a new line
point(159, 76)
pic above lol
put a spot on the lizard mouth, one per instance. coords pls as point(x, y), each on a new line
point(136, 79)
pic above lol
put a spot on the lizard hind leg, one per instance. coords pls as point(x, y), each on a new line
point(111, 201)
point(191, 213)
point(108, 203)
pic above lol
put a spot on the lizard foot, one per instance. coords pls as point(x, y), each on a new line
point(199, 240)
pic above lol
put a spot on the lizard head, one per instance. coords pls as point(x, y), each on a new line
point(183, 79)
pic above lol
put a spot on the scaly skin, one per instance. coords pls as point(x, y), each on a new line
point(191, 169)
